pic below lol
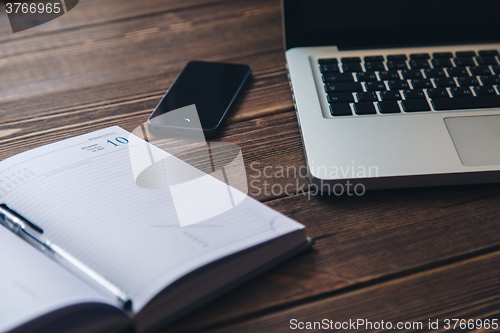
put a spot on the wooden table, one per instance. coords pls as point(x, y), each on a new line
point(409, 255)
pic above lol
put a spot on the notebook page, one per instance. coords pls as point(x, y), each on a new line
point(31, 284)
point(83, 193)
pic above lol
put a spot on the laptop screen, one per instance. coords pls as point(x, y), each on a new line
point(357, 24)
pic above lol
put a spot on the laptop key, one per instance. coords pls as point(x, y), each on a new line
point(414, 93)
point(445, 82)
point(490, 79)
point(437, 93)
point(366, 76)
point(496, 69)
point(461, 91)
point(485, 53)
point(374, 66)
point(352, 67)
point(389, 107)
point(412, 74)
point(329, 68)
point(480, 70)
point(340, 109)
point(485, 90)
point(340, 97)
point(441, 62)
point(461, 62)
point(421, 83)
point(420, 56)
point(363, 108)
point(419, 63)
point(458, 71)
point(374, 58)
point(434, 72)
point(351, 59)
point(368, 96)
point(416, 105)
point(461, 103)
point(397, 64)
point(328, 61)
point(442, 55)
point(465, 54)
point(343, 87)
point(398, 84)
point(390, 95)
point(487, 60)
point(375, 85)
point(389, 75)
point(397, 57)
point(337, 77)
point(467, 81)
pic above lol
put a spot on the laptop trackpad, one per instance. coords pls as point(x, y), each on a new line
point(476, 138)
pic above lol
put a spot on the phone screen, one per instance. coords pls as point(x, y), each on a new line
point(212, 87)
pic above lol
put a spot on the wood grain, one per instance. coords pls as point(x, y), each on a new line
point(94, 12)
point(469, 289)
point(266, 93)
point(43, 118)
point(101, 52)
point(361, 239)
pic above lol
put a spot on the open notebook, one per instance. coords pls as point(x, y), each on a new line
point(82, 192)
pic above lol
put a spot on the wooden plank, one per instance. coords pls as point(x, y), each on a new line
point(465, 290)
point(101, 52)
point(359, 239)
point(92, 12)
point(266, 93)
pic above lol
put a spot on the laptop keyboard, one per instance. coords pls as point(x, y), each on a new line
point(420, 82)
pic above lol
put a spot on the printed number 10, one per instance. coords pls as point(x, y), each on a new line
point(120, 140)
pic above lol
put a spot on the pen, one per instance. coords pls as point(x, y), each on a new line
point(20, 226)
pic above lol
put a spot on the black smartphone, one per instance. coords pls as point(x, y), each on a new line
point(211, 86)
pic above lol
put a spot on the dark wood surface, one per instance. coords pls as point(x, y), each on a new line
point(393, 255)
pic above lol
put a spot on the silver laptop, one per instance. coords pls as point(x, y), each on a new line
point(393, 93)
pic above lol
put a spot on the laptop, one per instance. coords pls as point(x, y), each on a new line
point(393, 93)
